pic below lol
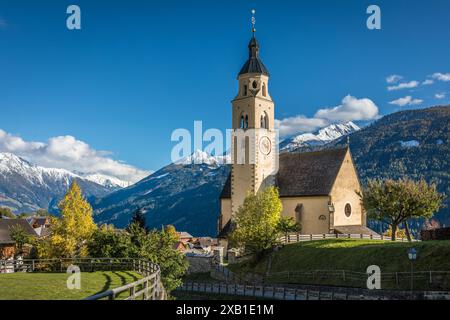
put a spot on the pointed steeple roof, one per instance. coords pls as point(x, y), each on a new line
point(254, 63)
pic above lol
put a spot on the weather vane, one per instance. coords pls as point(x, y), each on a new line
point(253, 20)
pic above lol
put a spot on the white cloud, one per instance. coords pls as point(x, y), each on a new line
point(351, 109)
point(441, 76)
point(394, 78)
point(406, 101)
point(427, 82)
point(439, 95)
point(68, 153)
point(292, 125)
point(404, 85)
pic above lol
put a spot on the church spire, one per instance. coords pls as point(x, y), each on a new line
point(254, 63)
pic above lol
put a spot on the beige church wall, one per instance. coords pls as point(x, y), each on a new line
point(225, 211)
point(242, 183)
point(343, 192)
point(313, 208)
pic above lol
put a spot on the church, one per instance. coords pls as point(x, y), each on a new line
point(317, 189)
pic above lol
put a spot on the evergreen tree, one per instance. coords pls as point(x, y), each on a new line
point(139, 219)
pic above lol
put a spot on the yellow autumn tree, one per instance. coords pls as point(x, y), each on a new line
point(73, 229)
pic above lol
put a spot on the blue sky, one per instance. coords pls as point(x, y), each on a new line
point(137, 70)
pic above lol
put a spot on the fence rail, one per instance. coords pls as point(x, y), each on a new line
point(289, 293)
point(293, 238)
point(388, 279)
point(148, 288)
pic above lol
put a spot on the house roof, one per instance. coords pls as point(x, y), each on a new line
point(6, 224)
point(184, 235)
point(304, 174)
point(41, 221)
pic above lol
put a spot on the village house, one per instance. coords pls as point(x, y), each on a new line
point(184, 237)
point(7, 245)
point(41, 225)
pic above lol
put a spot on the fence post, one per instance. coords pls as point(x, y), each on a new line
point(132, 292)
point(396, 278)
point(310, 237)
point(298, 237)
point(431, 278)
point(146, 290)
point(32, 265)
point(343, 275)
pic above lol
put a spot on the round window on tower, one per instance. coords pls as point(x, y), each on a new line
point(348, 210)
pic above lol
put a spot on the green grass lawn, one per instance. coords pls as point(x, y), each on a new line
point(52, 286)
point(353, 255)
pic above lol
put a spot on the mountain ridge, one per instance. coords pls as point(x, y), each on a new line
point(26, 187)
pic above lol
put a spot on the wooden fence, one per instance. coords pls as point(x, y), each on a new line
point(288, 293)
point(392, 280)
point(293, 238)
point(149, 287)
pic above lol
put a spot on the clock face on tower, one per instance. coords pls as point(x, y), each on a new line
point(265, 146)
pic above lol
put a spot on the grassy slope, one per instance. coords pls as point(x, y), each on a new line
point(52, 286)
point(353, 255)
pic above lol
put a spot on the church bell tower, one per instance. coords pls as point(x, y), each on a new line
point(254, 148)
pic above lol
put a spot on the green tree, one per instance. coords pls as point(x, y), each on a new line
point(6, 213)
point(71, 232)
point(108, 242)
point(158, 247)
point(396, 201)
point(256, 222)
point(173, 263)
point(287, 225)
point(139, 218)
point(19, 236)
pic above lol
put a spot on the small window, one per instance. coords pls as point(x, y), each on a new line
point(255, 84)
point(245, 89)
point(348, 210)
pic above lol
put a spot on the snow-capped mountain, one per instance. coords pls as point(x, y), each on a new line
point(319, 138)
point(26, 187)
point(202, 157)
point(106, 181)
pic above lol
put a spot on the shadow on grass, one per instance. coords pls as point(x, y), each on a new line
point(135, 278)
point(107, 284)
point(123, 280)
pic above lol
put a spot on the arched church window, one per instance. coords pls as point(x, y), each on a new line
point(348, 210)
point(255, 84)
point(264, 90)
point(243, 121)
point(245, 89)
point(264, 121)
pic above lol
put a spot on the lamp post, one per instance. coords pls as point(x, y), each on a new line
point(412, 256)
